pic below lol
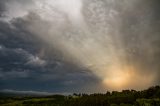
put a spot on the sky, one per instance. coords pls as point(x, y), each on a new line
point(66, 46)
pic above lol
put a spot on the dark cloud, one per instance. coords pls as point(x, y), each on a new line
point(2, 9)
point(31, 49)
point(26, 63)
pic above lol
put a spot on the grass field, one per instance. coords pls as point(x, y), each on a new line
point(149, 97)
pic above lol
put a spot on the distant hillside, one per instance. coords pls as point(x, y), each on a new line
point(13, 93)
point(148, 97)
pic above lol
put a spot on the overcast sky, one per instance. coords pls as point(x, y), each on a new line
point(70, 46)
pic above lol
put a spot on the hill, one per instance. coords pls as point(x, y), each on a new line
point(148, 97)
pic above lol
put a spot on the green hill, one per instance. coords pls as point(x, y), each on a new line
point(148, 97)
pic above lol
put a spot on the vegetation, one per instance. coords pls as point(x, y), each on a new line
point(149, 97)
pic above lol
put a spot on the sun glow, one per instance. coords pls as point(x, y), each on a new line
point(126, 77)
point(117, 81)
point(119, 78)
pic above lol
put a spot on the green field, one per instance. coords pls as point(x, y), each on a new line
point(149, 97)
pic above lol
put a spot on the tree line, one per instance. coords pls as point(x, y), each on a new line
point(148, 97)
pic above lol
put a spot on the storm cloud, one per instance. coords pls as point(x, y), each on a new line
point(77, 45)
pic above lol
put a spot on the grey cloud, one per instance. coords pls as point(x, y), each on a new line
point(125, 31)
point(14, 74)
point(34, 60)
point(26, 62)
point(14, 8)
point(133, 29)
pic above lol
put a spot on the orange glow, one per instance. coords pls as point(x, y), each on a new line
point(118, 78)
point(125, 78)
